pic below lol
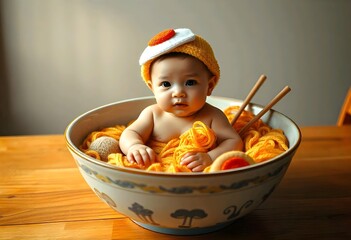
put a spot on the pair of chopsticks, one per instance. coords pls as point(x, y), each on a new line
point(253, 91)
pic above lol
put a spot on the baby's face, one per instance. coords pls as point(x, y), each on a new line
point(181, 84)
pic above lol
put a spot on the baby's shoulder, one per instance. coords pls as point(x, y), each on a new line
point(210, 109)
point(212, 112)
point(151, 110)
point(154, 108)
point(147, 111)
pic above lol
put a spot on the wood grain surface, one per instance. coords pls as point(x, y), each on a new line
point(43, 195)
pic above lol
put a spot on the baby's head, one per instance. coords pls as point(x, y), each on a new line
point(182, 41)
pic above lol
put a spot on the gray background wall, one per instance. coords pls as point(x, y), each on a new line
point(60, 58)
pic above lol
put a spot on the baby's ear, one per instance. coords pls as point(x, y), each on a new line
point(149, 84)
point(211, 85)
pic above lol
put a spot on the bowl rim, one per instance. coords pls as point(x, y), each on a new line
point(103, 164)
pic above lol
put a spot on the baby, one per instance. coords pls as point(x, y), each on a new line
point(181, 70)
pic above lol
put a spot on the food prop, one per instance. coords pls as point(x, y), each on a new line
point(231, 160)
point(104, 146)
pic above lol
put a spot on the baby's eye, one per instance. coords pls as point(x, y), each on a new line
point(165, 84)
point(190, 82)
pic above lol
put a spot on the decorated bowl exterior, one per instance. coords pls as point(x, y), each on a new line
point(182, 203)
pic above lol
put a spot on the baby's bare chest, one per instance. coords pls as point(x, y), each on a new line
point(168, 126)
point(165, 131)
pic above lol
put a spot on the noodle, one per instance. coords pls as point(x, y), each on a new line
point(261, 143)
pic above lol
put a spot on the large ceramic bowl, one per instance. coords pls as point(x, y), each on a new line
point(182, 203)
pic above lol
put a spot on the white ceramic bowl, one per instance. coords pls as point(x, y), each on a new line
point(182, 203)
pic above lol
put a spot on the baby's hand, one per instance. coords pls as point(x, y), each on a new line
point(141, 154)
point(196, 161)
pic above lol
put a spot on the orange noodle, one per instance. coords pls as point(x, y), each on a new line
point(261, 143)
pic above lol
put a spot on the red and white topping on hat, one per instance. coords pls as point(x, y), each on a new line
point(164, 42)
point(161, 37)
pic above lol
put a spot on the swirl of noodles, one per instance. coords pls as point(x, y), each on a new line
point(199, 138)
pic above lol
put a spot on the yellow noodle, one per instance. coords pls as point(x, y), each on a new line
point(261, 143)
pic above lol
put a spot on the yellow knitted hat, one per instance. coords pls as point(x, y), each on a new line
point(178, 40)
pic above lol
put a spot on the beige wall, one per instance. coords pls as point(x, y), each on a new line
point(60, 58)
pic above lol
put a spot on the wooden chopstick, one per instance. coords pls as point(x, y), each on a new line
point(253, 91)
point(276, 99)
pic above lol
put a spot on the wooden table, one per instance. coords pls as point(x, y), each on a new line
point(43, 196)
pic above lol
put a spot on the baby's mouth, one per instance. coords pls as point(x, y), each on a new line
point(179, 104)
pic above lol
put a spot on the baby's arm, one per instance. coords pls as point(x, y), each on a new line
point(227, 139)
point(133, 138)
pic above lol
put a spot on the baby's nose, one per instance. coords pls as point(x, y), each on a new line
point(178, 92)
